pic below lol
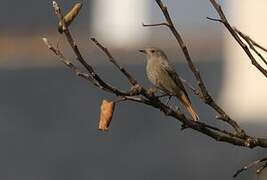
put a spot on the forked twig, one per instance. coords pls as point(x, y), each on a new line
point(251, 44)
point(225, 22)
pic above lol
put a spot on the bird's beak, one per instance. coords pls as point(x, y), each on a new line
point(142, 51)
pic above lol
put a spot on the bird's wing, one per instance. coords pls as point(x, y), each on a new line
point(170, 70)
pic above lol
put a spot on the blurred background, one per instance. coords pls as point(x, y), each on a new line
point(49, 117)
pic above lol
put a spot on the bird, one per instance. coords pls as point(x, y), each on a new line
point(163, 76)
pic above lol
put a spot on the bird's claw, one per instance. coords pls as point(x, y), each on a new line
point(152, 91)
point(168, 101)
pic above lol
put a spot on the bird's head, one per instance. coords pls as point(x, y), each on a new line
point(153, 52)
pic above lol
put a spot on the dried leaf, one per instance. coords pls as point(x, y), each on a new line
point(69, 17)
point(107, 109)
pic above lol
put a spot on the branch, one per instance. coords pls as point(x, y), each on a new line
point(138, 94)
point(130, 78)
point(251, 44)
point(257, 44)
point(262, 165)
point(68, 63)
point(204, 95)
point(80, 58)
point(225, 22)
point(190, 86)
point(214, 19)
point(89, 77)
point(77, 52)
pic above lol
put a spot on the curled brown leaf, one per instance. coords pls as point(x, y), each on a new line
point(106, 113)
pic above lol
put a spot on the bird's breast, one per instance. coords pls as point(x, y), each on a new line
point(160, 77)
point(153, 72)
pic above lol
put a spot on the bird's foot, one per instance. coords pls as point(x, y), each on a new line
point(152, 91)
point(169, 99)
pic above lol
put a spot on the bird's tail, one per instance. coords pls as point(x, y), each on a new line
point(186, 102)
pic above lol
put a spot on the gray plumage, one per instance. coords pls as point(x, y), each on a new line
point(162, 75)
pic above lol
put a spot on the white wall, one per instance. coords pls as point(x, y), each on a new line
point(244, 92)
point(119, 22)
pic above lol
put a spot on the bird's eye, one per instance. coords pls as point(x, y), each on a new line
point(152, 51)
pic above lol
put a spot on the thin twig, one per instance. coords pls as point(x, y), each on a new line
point(70, 39)
point(190, 86)
point(214, 19)
point(258, 45)
point(131, 79)
point(68, 63)
point(250, 43)
point(86, 76)
point(80, 58)
point(157, 24)
point(252, 164)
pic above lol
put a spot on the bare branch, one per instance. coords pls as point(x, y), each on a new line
point(195, 90)
point(70, 39)
point(225, 22)
point(80, 58)
point(141, 95)
point(68, 63)
point(131, 79)
point(251, 165)
point(86, 76)
point(251, 44)
point(214, 19)
point(257, 45)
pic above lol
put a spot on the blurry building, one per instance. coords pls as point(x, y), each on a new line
point(244, 87)
point(119, 22)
